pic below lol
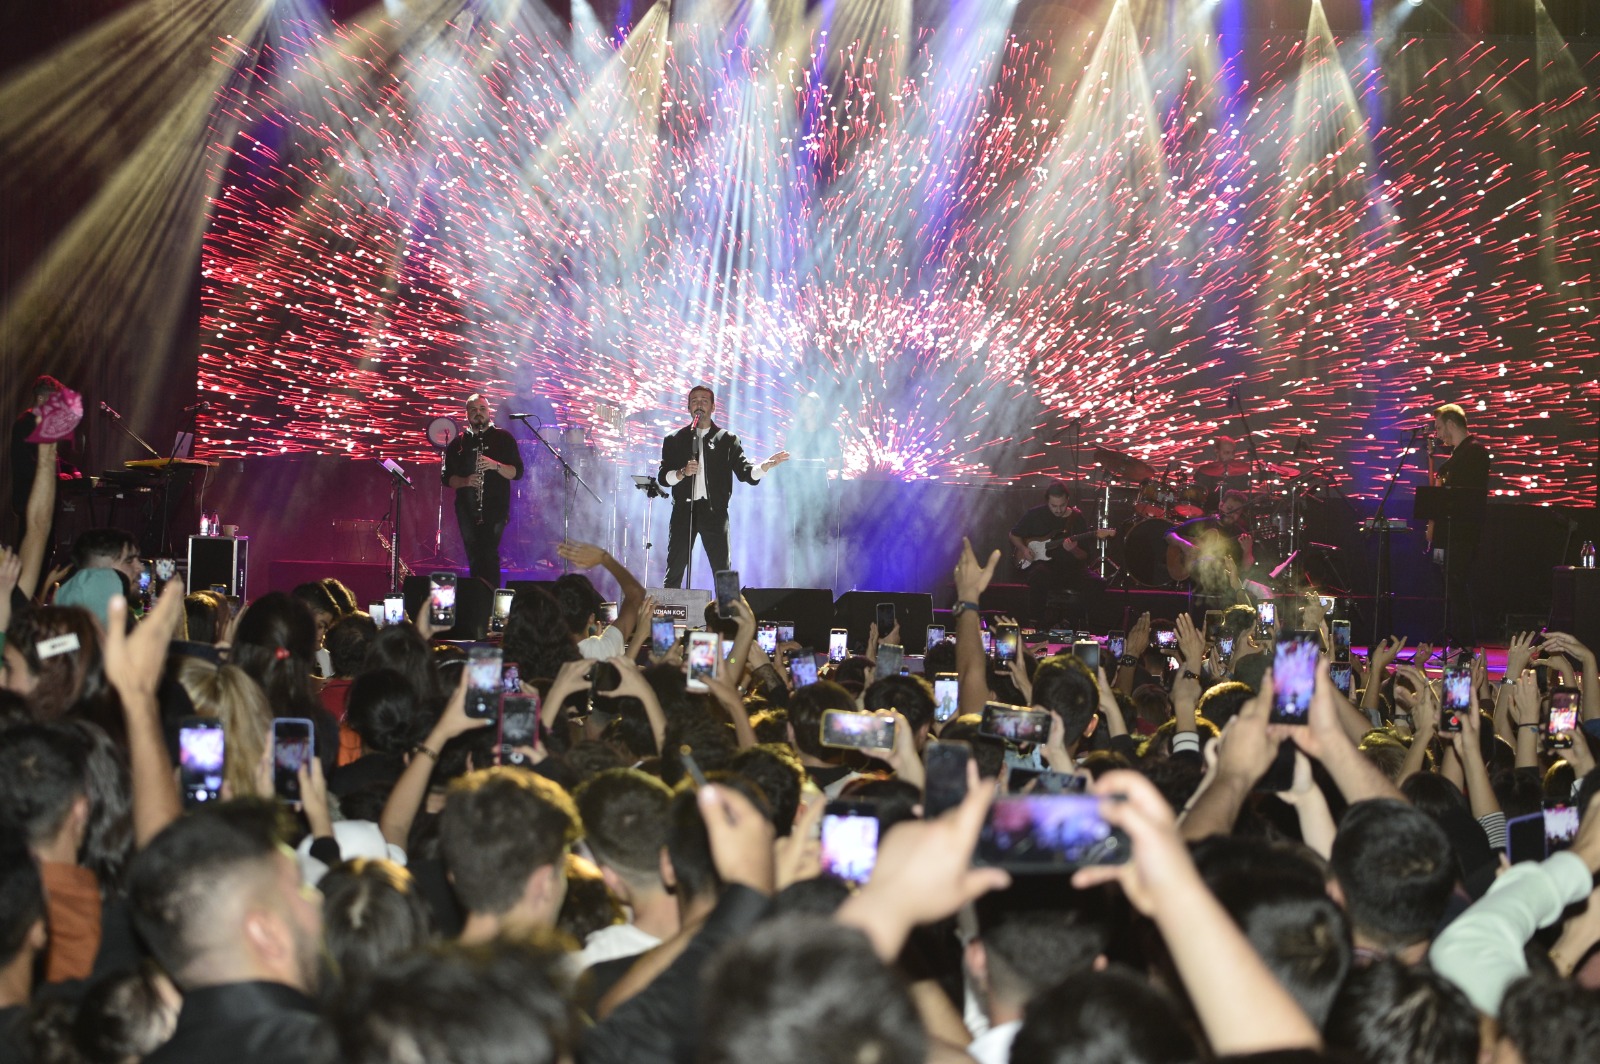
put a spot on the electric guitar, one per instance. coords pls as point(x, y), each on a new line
point(1039, 550)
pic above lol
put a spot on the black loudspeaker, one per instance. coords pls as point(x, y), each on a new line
point(1575, 603)
point(810, 608)
point(474, 602)
point(220, 561)
point(527, 585)
point(856, 610)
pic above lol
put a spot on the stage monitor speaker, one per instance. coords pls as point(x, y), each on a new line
point(856, 610)
point(1575, 603)
point(474, 602)
point(810, 608)
point(218, 561)
point(516, 586)
point(686, 606)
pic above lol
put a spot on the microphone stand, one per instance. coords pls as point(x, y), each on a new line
point(568, 475)
point(397, 477)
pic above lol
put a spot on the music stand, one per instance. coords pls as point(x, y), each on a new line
point(1447, 506)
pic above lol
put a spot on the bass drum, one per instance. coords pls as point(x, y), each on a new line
point(1144, 551)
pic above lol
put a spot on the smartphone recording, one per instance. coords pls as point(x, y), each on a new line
point(1018, 725)
point(1294, 678)
point(1049, 833)
point(845, 729)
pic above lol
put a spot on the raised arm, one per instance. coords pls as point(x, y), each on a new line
point(37, 520)
point(971, 579)
point(401, 809)
point(588, 556)
point(134, 663)
point(1324, 738)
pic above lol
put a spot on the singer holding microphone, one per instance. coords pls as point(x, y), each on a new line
point(698, 464)
point(480, 465)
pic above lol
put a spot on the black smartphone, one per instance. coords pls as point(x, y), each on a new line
point(1116, 645)
point(838, 644)
point(1525, 838)
point(935, 635)
point(850, 840)
point(885, 619)
point(946, 696)
point(442, 600)
point(1213, 624)
point(294, 743)
point(1088, 652)
point(1341, 640)
point(945, 766)
point(511, 679)
point(1294, 677)
point(1339, 672)
point(767, 638)
point(803, 667)
point(1225, 646)
point(785, 631)
point(1280, 777)
point(1015, 724)
point(1563, 720)
point(394, 610)
point(1049, 833)
point(1044, 781)
point(484, 682)
point(1266, 614)
point(728, 590)
point(890, 660)
point(519, 727)
point(1457, 697)
point(1007, 644)
point(502, 608)
point(1166, 639)
point(202, 750)
point(662, 635)
point(608, 613)
point(1064, 637)
point(849, 730)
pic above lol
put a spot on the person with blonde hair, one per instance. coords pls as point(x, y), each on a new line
point(231, 696)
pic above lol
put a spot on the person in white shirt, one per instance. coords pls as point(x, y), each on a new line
point(624, 812)
point(698, 464)
point(1018, 953)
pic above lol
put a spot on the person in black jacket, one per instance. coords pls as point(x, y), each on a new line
point(699, 462)
point(480, 464)
point(1467, 467)
point(220, 905)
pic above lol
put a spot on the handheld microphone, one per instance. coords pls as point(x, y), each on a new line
point(105, 407)
point(695, 425)
point(192, 407)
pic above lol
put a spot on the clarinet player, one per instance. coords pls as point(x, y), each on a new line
point(480, 465)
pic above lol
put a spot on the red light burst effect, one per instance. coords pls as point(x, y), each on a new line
point(393, 232)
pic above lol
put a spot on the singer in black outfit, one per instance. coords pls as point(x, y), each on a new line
point(698, 464)
point(480, 464)
point(1468, 468)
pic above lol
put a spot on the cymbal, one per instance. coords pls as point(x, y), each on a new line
point(1281, 470)
point(1238, 467)
point(1123, 466)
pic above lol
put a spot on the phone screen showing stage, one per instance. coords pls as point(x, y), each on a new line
point(1294, 679)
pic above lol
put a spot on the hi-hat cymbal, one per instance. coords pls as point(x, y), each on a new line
point(1237, 467)
point(1123, 466)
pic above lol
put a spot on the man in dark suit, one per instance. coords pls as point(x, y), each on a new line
point(480, 464)
point(1467, 467)
point(698, 463)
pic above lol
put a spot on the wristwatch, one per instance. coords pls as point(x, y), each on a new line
point(1127, 661)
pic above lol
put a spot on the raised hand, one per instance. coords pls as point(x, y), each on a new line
point(971, 578)
point(1139, 636)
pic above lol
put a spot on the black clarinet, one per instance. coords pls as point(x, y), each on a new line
point(479, 439)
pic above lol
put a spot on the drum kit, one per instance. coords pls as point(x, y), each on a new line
point(1144, 504)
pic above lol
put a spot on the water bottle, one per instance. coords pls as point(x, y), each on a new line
point(1586, 555)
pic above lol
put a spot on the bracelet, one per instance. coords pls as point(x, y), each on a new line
point(1521, 726)
point(423, 748)
point(961, 607)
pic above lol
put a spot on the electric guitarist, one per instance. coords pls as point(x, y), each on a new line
point(1050, 545)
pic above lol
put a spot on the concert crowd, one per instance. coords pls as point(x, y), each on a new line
point(278, 830)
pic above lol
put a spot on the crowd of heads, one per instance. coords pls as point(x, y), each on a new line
point(434, 893)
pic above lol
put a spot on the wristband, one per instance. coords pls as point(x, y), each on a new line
point(1188, 674)
point(1521, 726)
point(1127, 661)
point(423, 748)
point(961, 607)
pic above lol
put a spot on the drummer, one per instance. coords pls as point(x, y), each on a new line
point(1221, 465)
